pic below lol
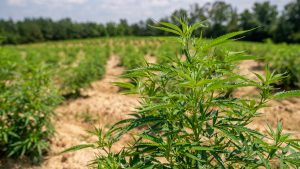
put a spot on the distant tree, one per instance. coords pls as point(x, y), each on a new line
point(197, 13)
point(289, 24)
point(111, 28)
point(30, 31)
point(123, 28)
point(284, 30)
point(149, 31)
point(265, 16)
point(233, 23)
point(76, 31)
point(102, 30)
point(246, 22)
point(60, 29)
point(9, 31)
point(159, 32)
point(46, 27)
point(135, 29)
point(180, 13)
point(142, 28)
point(219, 16)
point(92, 30)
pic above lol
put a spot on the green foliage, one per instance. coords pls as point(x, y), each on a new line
point(166, 50)
point(27, 105)
point(282, 58)
point(91, 68)
point(33, 79)
point(286, 60)
point(282, 95)
point(131, 57)
point(264, 16)
point(288, 26)
point(188, 120)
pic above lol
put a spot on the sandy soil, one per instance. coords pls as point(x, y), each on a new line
point(104, 105)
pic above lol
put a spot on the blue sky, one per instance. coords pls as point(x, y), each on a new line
point(106, 10)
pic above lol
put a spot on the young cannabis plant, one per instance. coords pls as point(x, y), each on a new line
point(27, 105)
point(188, 117)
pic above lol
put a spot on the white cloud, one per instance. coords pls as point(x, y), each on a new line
point(59, 1)
point(160, 3)
point(16, 2)
point(45, 2)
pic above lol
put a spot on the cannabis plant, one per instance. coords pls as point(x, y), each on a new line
point(189, 117)
point(27, 102)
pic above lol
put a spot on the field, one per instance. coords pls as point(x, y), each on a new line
point(70, 83)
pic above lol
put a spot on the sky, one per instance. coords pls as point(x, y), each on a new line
point(102, 11)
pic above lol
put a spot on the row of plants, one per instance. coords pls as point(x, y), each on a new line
point(91, 68)
point(132, 51)
point(33, 80)
point(287, 59)
point(27, 100)
point(282, 58)
point(131, 57)
point(27, 106)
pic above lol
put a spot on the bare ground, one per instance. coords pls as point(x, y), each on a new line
point(104, 105)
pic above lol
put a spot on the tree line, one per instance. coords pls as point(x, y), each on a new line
point(221, 18)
